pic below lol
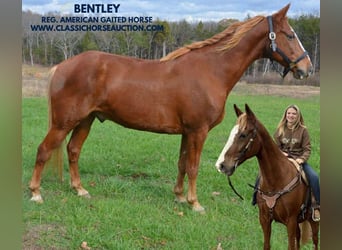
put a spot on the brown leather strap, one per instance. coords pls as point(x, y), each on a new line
point(272, 199)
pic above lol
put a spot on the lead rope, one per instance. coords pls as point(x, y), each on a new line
point(231, 185)
point(236, 163)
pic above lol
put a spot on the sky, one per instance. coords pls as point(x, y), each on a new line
point(192, 11)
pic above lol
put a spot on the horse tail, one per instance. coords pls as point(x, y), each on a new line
point(56, 160)
point(305, 232)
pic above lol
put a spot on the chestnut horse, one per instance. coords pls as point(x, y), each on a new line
point(183, 93)
point(282, 195)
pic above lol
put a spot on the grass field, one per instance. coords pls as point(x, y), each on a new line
point(130, 175)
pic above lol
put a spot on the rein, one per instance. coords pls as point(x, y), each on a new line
point(291, 64)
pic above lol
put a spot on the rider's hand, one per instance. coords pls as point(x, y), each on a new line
point(299, 161)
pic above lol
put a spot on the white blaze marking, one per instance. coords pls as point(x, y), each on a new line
point(226, 147)
point(300, 43)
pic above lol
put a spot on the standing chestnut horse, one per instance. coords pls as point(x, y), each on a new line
point(282, 195)
point(183, 93)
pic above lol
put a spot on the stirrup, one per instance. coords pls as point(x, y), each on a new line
point(316, 214)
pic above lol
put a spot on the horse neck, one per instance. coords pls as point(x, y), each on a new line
point(236, 60)
point(273, 164)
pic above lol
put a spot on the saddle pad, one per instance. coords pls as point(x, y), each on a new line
point(300, 170)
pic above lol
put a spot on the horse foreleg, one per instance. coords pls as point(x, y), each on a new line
point(53, 140)
point(292, 227)
point(194, 147)
point(266, 225)
point(78, 137)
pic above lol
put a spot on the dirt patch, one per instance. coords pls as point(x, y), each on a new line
point(34, 83)
point(51, 233)
point(34, 80)
point(294, 91)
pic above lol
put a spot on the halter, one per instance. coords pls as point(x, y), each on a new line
point(241, 154)
point(245, 149)
point(291, 64)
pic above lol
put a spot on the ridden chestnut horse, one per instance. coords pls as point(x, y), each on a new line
point(282, 195)
point(183, 93)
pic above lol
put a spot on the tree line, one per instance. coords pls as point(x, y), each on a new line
point(49, 48)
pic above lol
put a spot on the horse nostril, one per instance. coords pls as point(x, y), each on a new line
point(222, 168)
point(311, 71)
point(300, 74)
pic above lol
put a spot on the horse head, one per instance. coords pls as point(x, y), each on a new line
point(284, 46)
point(242, 143)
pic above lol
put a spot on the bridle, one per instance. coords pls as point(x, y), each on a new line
point(290, 64)
point(242, 154)
point(245, 149)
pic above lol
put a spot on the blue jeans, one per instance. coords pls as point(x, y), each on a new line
point(313, 182)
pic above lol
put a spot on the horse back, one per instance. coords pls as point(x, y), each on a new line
point(141, 94)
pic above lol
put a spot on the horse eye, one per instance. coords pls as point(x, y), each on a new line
point(290, 37)
point(242, 136)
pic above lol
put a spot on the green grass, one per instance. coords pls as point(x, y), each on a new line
point(130, 175)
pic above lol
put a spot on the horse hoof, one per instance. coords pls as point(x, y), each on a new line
point(198, 209)
point(84, 194)
point(37, 198)
point(87, 196)
point(180, 199)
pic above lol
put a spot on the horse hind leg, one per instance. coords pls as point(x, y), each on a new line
point(78, 137)
point(179, 187)
point(315, 230)
point(52, 141)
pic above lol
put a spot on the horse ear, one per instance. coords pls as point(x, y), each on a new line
point(282, 13)
point(238, 112)
point(250, 113)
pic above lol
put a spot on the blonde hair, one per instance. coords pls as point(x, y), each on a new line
point(283, 122)
point(242, 121)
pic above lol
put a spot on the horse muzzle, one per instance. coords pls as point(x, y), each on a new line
point(301, 74)
point(227, 170)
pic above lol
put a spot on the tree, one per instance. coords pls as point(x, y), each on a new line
point(67, 42)
point(48, 48)
point(159, 38)
point(181, 33)
point(308, 30)
point(88, 42)
point(28, 35)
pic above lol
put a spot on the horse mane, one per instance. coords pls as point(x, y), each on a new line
point(237, 30)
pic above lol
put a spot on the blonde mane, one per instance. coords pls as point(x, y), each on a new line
point(237, 30)
point(242, 121)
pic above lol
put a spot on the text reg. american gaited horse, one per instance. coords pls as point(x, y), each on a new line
point(282, 195)
point(183, 93)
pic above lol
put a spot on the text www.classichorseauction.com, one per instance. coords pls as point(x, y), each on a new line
point(93, 22)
